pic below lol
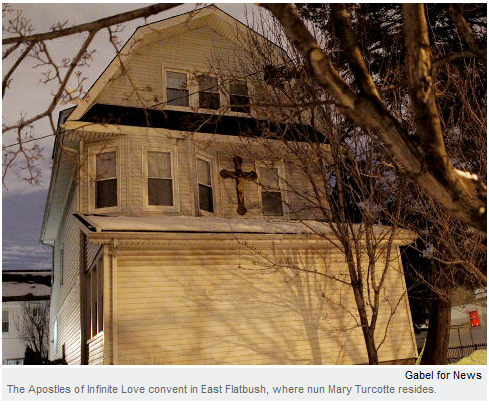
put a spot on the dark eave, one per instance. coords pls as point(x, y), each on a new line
point(199, 122)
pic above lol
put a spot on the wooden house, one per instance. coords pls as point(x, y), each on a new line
point(173, 243)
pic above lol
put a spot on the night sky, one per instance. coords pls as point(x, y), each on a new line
point(23, 204)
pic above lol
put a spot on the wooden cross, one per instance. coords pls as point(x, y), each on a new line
point(240, 176)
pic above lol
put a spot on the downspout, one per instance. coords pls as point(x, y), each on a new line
point(113, 286)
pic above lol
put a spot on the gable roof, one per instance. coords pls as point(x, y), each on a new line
point(210, 16)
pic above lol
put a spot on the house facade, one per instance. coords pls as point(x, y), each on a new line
point(176, 238)
point(23, 292)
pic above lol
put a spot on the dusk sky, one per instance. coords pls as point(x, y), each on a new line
point(23, 204)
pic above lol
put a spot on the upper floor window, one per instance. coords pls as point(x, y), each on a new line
point(106, 180)
point(204, 182)
point(160, 188)
point(238, 97)
point(271, 194)
point(176, 88)
point(5, 321)
point(160, 172)
point(208, 92)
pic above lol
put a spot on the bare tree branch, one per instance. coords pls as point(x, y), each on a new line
point(94, 25)
point(461, 194)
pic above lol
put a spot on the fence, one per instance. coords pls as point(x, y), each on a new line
point(459, 352)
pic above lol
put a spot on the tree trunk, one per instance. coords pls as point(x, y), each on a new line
point(438, 335)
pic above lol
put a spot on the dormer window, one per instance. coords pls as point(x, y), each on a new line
point(208, 92)
point(106, 180)
point(176, 88)
point(238, 97)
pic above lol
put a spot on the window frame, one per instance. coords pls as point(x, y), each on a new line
point(228, 90)
point(161, 148)
point(214, 180)
point(218, 92)
point(190, 88)
point(280, 166)
point(5, 321)
point(93, 151)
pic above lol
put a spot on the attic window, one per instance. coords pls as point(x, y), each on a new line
point(208, 92)
point(106, 180)
point(176, 88)
point(238, 97)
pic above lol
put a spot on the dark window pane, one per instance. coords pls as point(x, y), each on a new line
point(177, 97)
point(160, 192)
point(272, 203)
point(238, 88)
point(106, 193)
point(209, 100)
point(240, 103)
point(205, 198)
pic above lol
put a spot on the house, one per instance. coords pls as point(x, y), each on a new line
point(173, 243)
point(23, 292)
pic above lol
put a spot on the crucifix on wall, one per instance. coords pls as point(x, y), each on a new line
point(239, 176)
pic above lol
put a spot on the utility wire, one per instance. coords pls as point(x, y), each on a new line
point(152, 106)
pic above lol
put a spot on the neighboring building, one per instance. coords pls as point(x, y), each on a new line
point(160, 257)
point(22, 290)
point(469, 318)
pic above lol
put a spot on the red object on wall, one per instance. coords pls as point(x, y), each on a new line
point(474, 318)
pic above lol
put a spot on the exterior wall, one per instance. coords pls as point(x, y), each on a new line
point(13, 348)
point(65, 298)
point(192, 51)
point(220, 302)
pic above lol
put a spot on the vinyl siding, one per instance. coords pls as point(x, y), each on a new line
point(192, 51)
point(227, 304)
point(65, 298)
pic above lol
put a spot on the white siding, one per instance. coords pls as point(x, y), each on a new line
point(227, 304)
point(65, 301)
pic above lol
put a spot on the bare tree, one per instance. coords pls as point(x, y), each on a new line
point(33, 327)
point(64, 75)
point(423, 158)
point(338, 175)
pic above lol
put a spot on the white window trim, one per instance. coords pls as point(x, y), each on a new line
point(214, 180)
point(190, 88)
point(280, 166)
point(193, 91)
point(173, 150)
point(93, 150)
point(249, 87)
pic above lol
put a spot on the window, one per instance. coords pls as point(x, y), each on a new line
point(95, 298)
point(204, 182)
point(36, 312)
point(106, 180)
point(176, 88)
point(474, 318)
point(238, 97)
point(208, 92)
point(55, 336)
point(5, 321)
point(271, 195)
point(104, 176)
point(160, 185)
point(61, 264)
